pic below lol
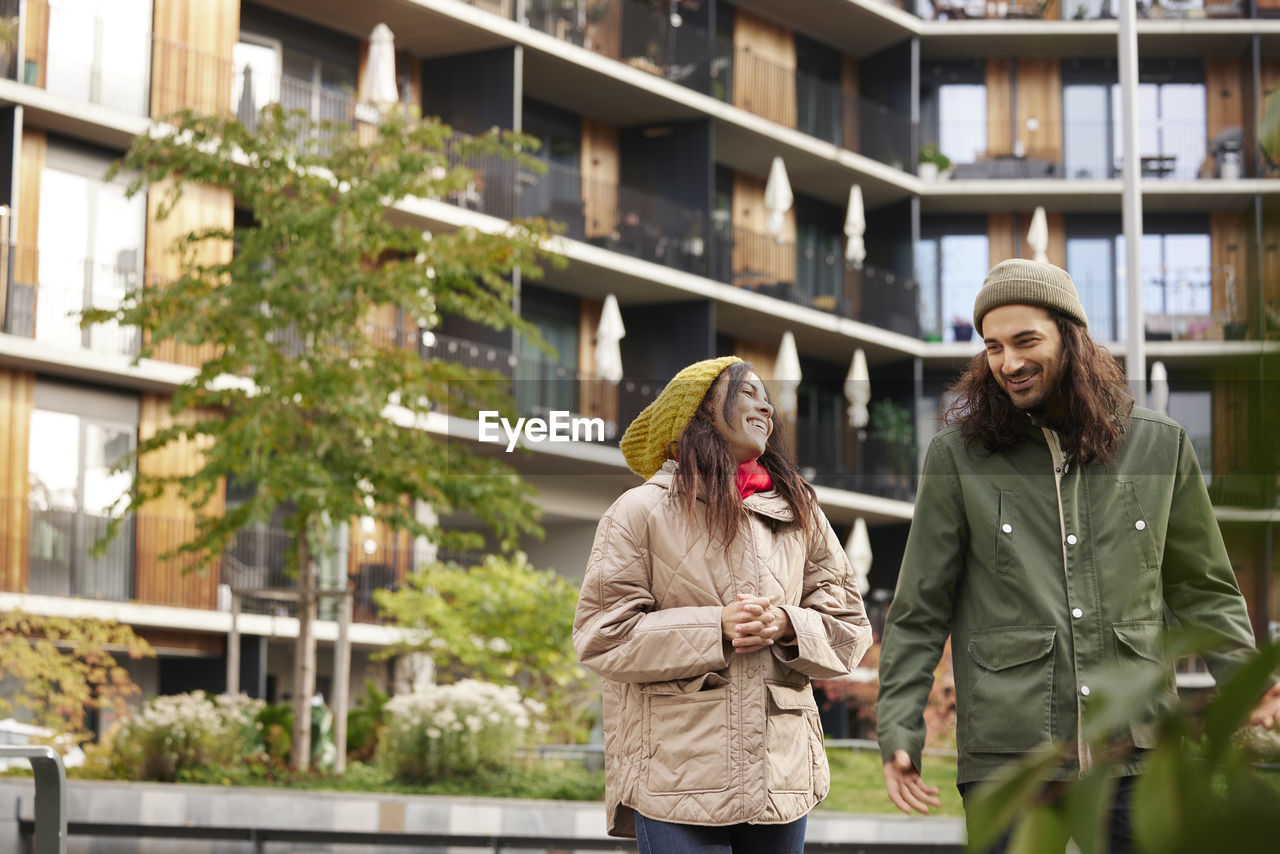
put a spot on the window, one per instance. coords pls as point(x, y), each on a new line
point(950, 267)
point(1172, 123)
point(1193, 409)
point(77, 438)
point(1176, 275)
point(100, 51)
point(953, 110)
point(546, 382)
point(295, 63)
point(90, 241)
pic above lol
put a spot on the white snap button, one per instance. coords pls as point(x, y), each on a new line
point(1071, 539)
point(1077, 613)
point(1140, 525)
point(1084, 690)
point(1007, 528)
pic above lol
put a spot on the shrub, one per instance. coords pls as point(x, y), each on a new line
point(458, 729)
point(504, 622)
point(183, 732)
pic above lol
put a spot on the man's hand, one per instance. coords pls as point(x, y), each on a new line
point(750, 623)
point(907, 789)
point(1267, 712)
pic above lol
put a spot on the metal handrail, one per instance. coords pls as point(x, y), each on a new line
point(51, 795)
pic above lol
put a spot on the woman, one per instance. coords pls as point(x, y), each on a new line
point(714, 593)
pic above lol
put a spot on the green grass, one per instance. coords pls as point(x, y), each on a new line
point(857, 783)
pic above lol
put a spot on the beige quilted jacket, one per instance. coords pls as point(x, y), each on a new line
point(692, 732)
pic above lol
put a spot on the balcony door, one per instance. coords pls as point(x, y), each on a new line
point(100, 51)
point(90, 240)
point(78, 438)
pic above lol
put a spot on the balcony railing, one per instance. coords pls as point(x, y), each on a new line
point(1070, 10)
point(48, 290)
point(1088, 150)
point(643, 36)
point(55, 544)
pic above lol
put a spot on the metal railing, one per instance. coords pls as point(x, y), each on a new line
point(48, 290)
point(1068, 10)
point(49, 827)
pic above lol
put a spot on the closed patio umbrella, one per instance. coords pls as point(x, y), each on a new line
point(857, 390)
point(378, 86)
point(858, 548)
point(855, 226)
point(1159, 388)
point(1038, 236)
point(777, 196)
point(609, 335)
point(786, 375)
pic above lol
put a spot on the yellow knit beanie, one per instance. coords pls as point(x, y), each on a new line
point(644, 445)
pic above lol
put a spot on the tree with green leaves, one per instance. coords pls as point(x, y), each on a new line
point(504, 622)
point(63, 667)
point(302, 397)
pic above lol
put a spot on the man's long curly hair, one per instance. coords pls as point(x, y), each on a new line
point(707, 464)
point(1098, 401)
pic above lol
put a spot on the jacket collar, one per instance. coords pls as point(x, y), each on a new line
point(770, 504)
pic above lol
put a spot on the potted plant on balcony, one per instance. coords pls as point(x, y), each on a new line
point(932, 161)
point(962, 327)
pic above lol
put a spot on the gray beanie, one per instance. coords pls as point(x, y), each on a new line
point(1022, 282)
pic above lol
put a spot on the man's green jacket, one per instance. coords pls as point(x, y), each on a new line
point(1046, 573)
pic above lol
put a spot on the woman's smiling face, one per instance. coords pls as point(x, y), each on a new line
point(749, 421)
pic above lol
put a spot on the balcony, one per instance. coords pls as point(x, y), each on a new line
point(55, 544)
point(648, 227)
point(49, 290)
point(1171, 150)
point(1073, 10)
point(643, 36)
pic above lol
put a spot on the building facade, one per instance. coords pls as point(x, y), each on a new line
point(658, 122)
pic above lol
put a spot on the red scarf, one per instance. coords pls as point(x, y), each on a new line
point(752, 477)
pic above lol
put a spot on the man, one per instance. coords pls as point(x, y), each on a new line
point(1054, 523)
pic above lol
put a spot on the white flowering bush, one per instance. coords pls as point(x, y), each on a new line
point(457, 729)
point(180, 732)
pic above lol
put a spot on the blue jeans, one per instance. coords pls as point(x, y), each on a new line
point(1119, 824)
point(664, 837)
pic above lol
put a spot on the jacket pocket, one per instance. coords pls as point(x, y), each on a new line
point(1140, 526)
point(789, 737)
point(672, 687)
point(1006, 527)
point(1011, 707)
point(1139, 644)
point(688, 740)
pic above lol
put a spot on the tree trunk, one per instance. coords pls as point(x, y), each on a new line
point(304, 656)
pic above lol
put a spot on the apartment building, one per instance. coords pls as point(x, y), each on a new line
point(659, 121)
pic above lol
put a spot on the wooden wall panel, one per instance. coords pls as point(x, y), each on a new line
point(36, 44)
point(605, 35)
point(26, 262)
point(850, 86)
point(17, 399)
point(760, 261)
point(999, 106)
point(764, 69)
point(200, 207)
point(1057, 249)
point(1000, 242)
point(1270, 263)
point(191, 57)
point(169, 520)
point(763, 357)
point(1040, 103)
point(601, 167)
point(1230, 422)
point(1229, 241)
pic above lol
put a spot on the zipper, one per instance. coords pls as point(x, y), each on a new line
point(1059, 467)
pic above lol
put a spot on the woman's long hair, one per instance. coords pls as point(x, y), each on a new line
point(707, 464)
point(1098, 400)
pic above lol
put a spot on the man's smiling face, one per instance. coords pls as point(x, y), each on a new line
point(1025, 352)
